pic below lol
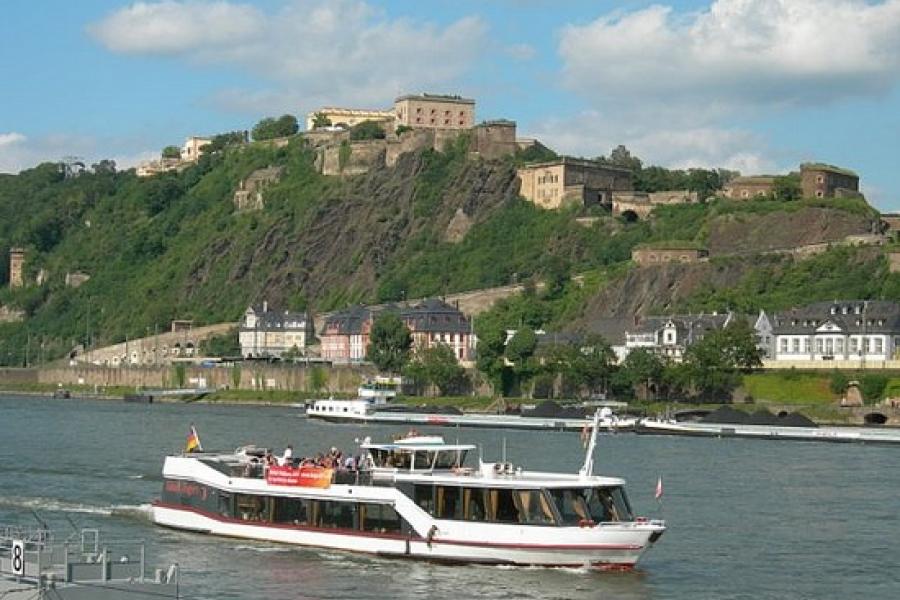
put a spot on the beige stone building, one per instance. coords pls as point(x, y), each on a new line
point(16, 262)
point(349, 116)
point(190, 152)
point(568, 181)
point(819, 180)
point(649, 255)
point(435, 111)
point(744, 188)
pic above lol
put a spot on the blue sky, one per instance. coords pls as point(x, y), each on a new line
point(759, 86)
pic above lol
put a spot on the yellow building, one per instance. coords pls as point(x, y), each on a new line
point(435, 111)
point(348, 116)
point(568, 181)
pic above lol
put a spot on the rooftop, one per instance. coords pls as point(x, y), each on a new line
point(436, 98)
point(826, 167)
point(574, 162)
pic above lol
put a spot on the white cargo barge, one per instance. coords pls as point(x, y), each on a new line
point(363, 412)
point(771, 432)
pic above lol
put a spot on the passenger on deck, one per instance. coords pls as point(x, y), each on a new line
point(350, 463)
point(288, 456)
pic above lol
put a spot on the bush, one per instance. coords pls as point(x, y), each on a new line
point(872, 387)
point(838, 382)
point(367, 130)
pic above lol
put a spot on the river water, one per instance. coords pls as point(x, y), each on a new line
point(747, 519)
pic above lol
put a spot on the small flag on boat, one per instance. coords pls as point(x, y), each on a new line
point(659, 488)
point(193, 441)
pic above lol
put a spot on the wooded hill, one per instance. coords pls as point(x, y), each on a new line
point(172, 246)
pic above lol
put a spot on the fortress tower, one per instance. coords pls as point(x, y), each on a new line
point(16, 258)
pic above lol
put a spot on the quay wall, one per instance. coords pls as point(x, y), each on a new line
point(338, 379)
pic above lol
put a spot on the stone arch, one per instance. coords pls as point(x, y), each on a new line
point(629, 216)
point(875, 418)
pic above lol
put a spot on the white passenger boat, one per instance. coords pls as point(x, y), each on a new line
point(413, 497)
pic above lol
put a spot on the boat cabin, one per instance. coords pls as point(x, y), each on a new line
point(418, 454)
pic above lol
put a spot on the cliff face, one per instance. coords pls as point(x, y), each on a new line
point(750, 234)
point(336, 252)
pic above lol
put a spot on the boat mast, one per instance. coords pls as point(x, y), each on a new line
point(588, 468)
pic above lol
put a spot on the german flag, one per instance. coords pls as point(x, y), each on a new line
point(193, 441)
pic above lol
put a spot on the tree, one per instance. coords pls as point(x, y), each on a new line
point(711, 366)
point(367, 130)
point(389, 342)
point(224, 140)
point(318, 379)
point(491, 360)
point(320, 119)
point(587, 364)
point(437, 366)
point(105, 166)
point(171, 152)
point(620, 156)
point(787, 188)
point(640, 372)
point(270, 128)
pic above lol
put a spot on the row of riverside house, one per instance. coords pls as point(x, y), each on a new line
point(345, 335)
point(852, 332)
point(836, 333)
point(344, 338)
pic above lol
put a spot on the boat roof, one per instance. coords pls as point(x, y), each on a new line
point(416, 443)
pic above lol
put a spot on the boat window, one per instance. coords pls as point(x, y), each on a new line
point(379, 518)
point(447, 459)
point(501, 506)
point(534, 507)
point(473, 504)
point(448, 502)
point(606, 504)
point(225, 507)
point(290, 510)
point(335, 515)
point(252, 508)
point(423, 459)
point(571, 506)
point(423, 495)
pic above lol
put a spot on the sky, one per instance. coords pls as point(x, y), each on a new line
point(753, 85)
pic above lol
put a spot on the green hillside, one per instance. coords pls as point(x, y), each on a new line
point(172, 246)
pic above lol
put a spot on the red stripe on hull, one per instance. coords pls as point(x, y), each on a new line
point(360, 533)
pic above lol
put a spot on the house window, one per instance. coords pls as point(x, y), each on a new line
point(820, 179)
point(795, 346)
point(820, 194)
point(839, 345)
point(879, 345)
point(854, 345)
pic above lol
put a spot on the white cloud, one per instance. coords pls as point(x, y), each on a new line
point(310, 51)
point(175, 27)
point(669, 84)
point(680, 147)
point(738, 53)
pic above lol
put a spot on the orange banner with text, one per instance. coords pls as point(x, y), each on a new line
point(318, 477)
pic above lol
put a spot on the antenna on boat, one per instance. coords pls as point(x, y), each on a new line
point(588, 468)
point(503, 451)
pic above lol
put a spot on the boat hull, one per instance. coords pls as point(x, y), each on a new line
point(620, 549)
